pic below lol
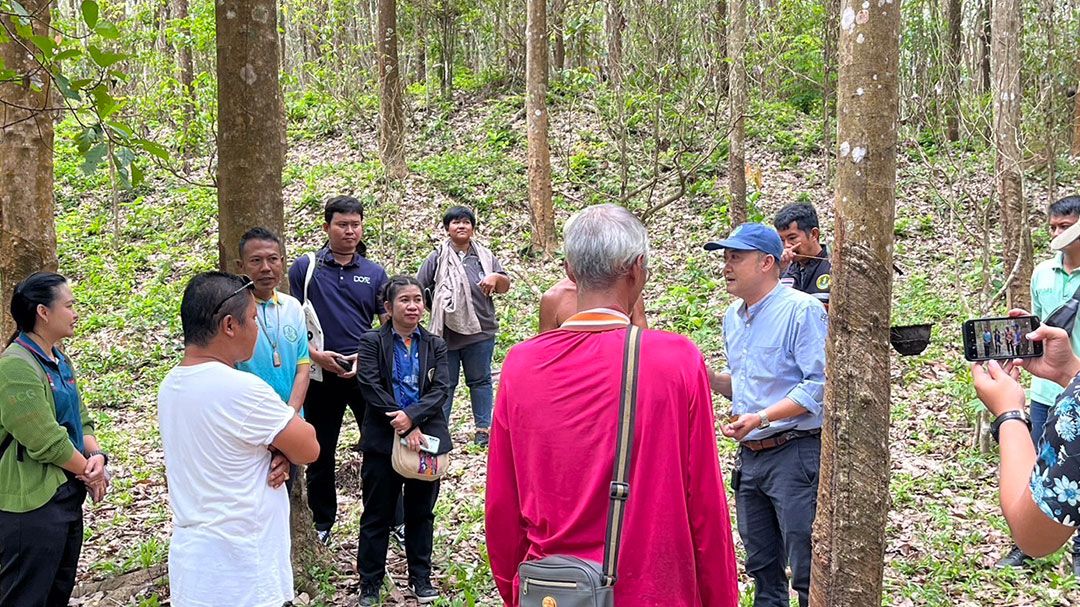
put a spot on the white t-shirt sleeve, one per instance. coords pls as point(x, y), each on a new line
point(266, 415)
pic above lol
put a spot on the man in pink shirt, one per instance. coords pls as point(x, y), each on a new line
point(553, 440)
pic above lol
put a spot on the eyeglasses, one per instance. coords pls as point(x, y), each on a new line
point(248, 284)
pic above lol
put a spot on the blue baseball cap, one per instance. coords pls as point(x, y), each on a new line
point(751, 237)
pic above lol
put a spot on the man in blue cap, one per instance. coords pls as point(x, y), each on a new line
point(775, 377)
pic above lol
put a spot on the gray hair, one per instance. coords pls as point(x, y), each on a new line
point(602, 242)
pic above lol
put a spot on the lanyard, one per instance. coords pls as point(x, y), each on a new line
point(266, 331)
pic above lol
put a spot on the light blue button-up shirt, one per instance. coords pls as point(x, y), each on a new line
point(776, 349)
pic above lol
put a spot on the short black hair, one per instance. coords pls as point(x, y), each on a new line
point(346, 205)
point(37, 289)
point(801, 214)
point(457, 212)
point(259, 233)
point(396, 283)
point(1064, 207)
point(205, 292)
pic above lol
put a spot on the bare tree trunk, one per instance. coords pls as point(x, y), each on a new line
point(391, 115)
point(720, 18)
point(307, 551)
point(558, 53)
point(1076, 116)
point(536, 115)
point(187, 79)
point(1007, 90)
point(955, 12)
point(251, 123)
point(27, 233)
point(853, 492)
point(446, 13)
point(615, 24)
point(421, 46)
point(984, 65)
point(828, 84)
point(737, 102)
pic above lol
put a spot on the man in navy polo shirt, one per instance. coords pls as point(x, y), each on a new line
point(344, 292)
point(805, 263)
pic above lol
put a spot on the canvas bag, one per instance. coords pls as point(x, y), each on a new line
point(422, 466)
point(569, 581)
point(314, 329)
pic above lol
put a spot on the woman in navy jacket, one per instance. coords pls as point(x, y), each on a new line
point(403, 376)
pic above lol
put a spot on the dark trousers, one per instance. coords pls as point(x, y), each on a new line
point(775, 505)
point(39, 550)
point(381, 489)
point(324, 408)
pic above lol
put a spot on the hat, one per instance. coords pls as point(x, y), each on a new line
point(1066, 238)
point(751, 237)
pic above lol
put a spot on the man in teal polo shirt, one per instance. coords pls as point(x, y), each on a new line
point(281, 356)
point(1052, 284)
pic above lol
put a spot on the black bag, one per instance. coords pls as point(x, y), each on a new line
point(569, 581)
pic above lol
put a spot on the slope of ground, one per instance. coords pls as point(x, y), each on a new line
point(944, 530)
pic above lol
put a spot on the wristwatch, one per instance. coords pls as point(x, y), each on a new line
point(995, 426)
point(764, 420)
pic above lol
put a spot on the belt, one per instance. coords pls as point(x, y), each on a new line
point(777, 440)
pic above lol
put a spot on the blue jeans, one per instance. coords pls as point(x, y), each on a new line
point(1039, 413)
point(775, 505)
point(476, 361)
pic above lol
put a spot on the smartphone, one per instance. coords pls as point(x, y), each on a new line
point(345, 363)
point(1002, 338)
point(432, 445)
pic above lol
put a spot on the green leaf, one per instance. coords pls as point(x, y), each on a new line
point(136, 175)
point(24, 16)
point(93, 157)
point(44, 43)
point(66, 90)
point(107, 30)
point(103, 101)
point(121, 130)
point(104, 58)
point(71, 53)
point(90, 13)
point(152, 148)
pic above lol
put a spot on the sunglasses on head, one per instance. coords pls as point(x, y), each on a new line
point(248, 285)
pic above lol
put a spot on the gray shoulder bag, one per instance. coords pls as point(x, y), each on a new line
point(569, 581)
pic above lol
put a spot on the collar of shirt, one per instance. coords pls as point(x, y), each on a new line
point(415, 335)
point(327, 256)
point(747, 314)
point(273, 299)
point(31, 345)
point(596, 319)
point(1058, 263)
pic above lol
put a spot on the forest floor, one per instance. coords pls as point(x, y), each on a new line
point(944, 531)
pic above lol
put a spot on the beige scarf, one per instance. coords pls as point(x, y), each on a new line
point(451, 302)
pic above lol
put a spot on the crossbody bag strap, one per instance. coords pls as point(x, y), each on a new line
point(310, 273)
point(620, 484)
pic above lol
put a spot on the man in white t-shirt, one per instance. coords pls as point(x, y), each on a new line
point(224, 431)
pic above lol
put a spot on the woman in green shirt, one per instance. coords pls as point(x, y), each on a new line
point(49, 458)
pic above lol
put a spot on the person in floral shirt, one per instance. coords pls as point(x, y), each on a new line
point(1039, 483)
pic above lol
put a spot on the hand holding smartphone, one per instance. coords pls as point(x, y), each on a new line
point(1000, 338)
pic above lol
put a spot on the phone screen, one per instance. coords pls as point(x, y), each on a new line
point(1002, 338)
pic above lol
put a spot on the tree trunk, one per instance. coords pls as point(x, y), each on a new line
point(853, 493)
point(446, 14)
point(737, 104)
point(27, 233)
point(307, 551)
point(1008, 179)
point(955, 15)
point(187, 78)
point(984, 65)
point(251, 123)
point(421, 47)
point(391, 115)
point(558, 37)
point(615, 24)
point(828, 84)
point(721, 47)
point(536, 115)
point(1076, 116)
